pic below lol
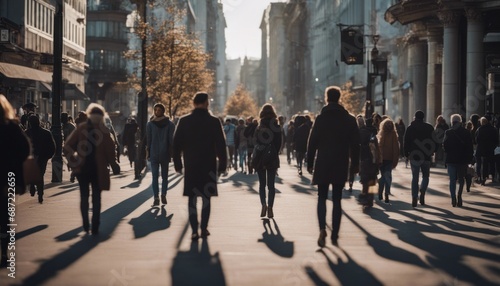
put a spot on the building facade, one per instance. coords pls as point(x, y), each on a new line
point(26, 48)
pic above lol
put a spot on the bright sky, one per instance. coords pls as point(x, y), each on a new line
point(243, 19)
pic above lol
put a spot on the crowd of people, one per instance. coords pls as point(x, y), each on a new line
point(336, 147)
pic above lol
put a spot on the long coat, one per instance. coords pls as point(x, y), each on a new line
point(458, 146)
point(200, 141)
point(269, 132)
point(76, 146)
point(335, 138)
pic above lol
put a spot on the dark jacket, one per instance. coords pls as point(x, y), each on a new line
point(365, 134)
point(76, 146)
point(13, 152)
point(200, 141)
point(269, 132)
point(335, 138)
point(418, 142)
point(160, 135)
point(129, 132)
point(43, 143)
point(300, 138)
point(487, 140)
point(249, 132)
point(458, 146)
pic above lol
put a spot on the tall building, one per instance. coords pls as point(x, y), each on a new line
point(26, 53)
point(250, 77)
point(107, 41)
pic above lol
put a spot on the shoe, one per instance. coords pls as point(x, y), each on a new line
point(156, 201)
point(335, 241)
point(40, 199)
point(195, 236)
point(379, 196)
point(205, 233)
point(453, 202)
point(263, 211)
point(270, 213)
point(386, 198)
point(164, 199)
point(300, 172)
point(86, 229)
point(321, 238)
point(414, 202)
point(459, 201)
point(422, 197)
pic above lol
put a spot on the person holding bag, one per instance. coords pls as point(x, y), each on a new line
point(13, 152)
point(90, 150)
point(265, 159)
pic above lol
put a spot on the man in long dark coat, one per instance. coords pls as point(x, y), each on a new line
point(200, 140)
point(335, 138)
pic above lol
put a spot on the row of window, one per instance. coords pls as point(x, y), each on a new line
point(107, 29)
point(78, 5)
point(105, 60)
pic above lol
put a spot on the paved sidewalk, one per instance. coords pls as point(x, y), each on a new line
point(391, 244)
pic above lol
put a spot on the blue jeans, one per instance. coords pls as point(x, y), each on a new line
point(456, 171)
point(242, 155)
point(155, 171)
point(416, 167)
point(266, 177)
point(386, 177)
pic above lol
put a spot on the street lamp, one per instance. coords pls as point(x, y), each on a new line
point(379, 66)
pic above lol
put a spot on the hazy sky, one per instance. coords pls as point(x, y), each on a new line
point(243, 19)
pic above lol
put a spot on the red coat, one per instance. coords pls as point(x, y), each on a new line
point(76, 145)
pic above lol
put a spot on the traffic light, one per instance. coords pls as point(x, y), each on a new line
point(351, 46)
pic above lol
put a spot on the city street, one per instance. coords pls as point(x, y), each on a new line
point(389, 244)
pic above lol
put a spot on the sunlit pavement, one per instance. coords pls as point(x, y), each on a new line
point(390, 244)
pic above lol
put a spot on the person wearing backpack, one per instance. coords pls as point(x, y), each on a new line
point(457, 145)
point(369, 161)
point(160, 137)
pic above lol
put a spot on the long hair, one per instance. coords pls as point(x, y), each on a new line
point(267, 111)
point(7, 112)
point(387, 130)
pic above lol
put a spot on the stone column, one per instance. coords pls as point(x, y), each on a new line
point(433, 104)
point(450, 95)
point(476, 79)
point(417, 63)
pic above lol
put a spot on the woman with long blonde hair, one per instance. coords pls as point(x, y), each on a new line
point(389, 150)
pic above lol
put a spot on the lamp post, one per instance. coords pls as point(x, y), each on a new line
point(56, 92)
point(379, 65)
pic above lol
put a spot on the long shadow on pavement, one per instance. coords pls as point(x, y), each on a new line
point(150, 221)
point(197, 266)
point(445, 255)
point(347, 271)
point(30, 231)
point(275, 240)
point(109, 221)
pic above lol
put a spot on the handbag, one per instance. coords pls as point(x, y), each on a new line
point(31, 171)
point(263, 155)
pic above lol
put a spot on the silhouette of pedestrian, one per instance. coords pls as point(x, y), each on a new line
point(199, 140)
point(328, 154)
point(90, 149)
point(44, 148)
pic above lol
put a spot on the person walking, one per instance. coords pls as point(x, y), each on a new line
point(400, 129)
point(419, 147)
point(13, 152)
point(328, 156)
point(289, 141)
point(249, 134)
point(267, 140)
point(44, 148)
point(487, 141)
point(230, 131)
point(300, 141)
point(370, 160)
point(439, 130)
point(199, 140)
point(67, 128)
point(160, 137)
point(90, 149)
point(241, 144)
point(129, 139)
point(457, 145)
point(389, 151)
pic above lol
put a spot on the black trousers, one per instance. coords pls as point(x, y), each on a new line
point(337, 207)
point(42, 165)
point(85, 180)
point(193, 212)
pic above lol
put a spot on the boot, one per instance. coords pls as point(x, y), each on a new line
point(321, 238)
point(386, 198)
point(270, 213)
point(156, 201)
point(263, 211)
point(422, 197)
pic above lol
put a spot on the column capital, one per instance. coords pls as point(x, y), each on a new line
point(449, 18)
point(473, 15)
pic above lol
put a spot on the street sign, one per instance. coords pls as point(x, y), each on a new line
point(4, 36)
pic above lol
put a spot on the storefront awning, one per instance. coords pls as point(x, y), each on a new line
point(72, 92)
point(22, 72)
